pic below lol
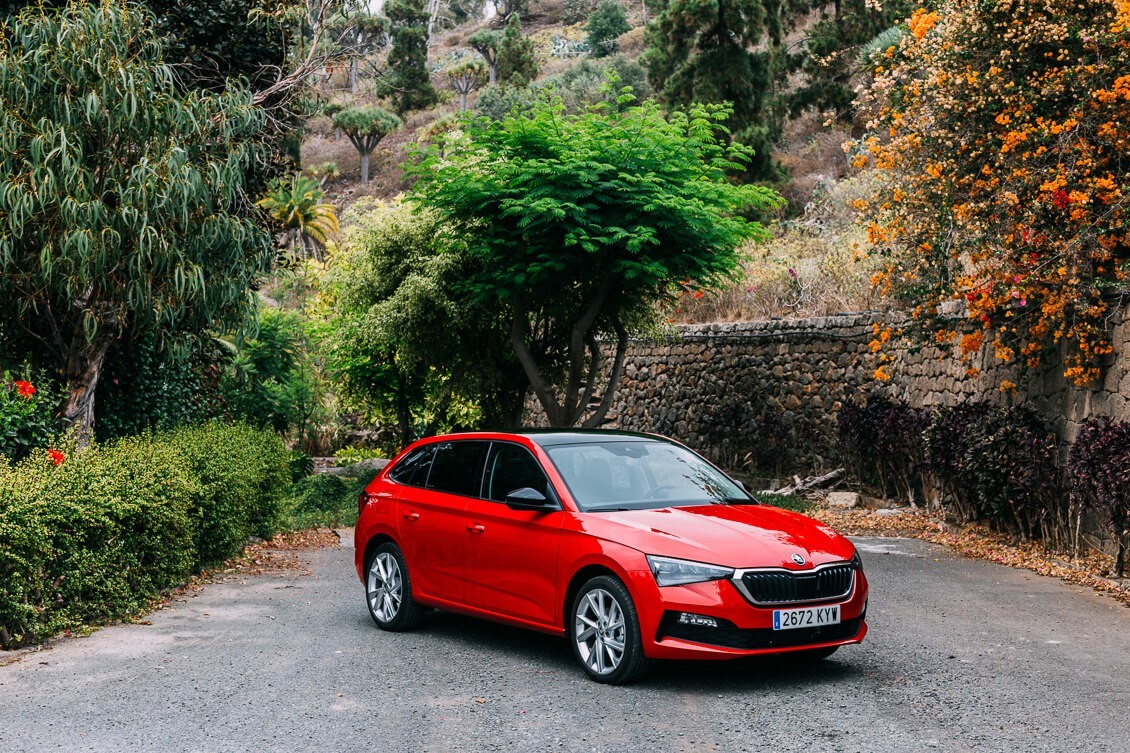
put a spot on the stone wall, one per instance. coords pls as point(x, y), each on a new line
point(765, 394)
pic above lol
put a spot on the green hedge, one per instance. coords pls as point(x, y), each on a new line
point(105, 532)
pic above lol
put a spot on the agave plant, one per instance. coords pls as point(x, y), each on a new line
point(307, 222)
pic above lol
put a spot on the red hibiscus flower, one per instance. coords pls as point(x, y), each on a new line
point(24, 388)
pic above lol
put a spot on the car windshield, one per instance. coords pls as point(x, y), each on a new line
point(640, 475)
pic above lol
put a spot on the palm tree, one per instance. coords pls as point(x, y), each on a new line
point(307, 222)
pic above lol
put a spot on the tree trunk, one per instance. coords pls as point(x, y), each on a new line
point(403, 413)
point(354, 67)
point(84, 366)
point(364, 169)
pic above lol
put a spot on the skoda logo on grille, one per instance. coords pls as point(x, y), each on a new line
point(798, 559)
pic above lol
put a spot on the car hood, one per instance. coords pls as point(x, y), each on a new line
point(738, 536)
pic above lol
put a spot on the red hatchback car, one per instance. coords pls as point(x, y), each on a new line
point(630, 545)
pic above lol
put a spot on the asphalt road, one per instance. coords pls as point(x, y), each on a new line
point(963, 656)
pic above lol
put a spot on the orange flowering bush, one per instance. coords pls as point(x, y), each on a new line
point(1002, 132)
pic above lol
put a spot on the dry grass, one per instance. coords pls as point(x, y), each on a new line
point(816, 265)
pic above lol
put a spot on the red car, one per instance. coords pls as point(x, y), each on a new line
point(630, 545)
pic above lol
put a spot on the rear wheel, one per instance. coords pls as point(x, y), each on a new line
point(605, 632)
point(388, 590)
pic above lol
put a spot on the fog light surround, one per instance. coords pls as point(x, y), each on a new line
point(697, 620)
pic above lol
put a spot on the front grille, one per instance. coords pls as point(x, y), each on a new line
point(728, 636)
point(783, 587)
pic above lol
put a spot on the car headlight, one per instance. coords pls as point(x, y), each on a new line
point(672, 572)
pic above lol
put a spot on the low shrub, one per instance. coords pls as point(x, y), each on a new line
point(792, 502)
point(1099, 468)
point(324, 501)
point(96, 537)
point(882, 441)
point(243, 475)
point(93, 536)
point(1001, 465)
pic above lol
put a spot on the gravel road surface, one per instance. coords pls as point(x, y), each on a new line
point(963, 655)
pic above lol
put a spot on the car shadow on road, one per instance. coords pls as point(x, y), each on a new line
point(553, 653)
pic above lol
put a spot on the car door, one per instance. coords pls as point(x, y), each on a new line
point(433, 524)
point(512, 554)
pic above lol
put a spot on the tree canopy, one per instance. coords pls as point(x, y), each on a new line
point(721, 51)
point(408, 84)
point(404, 340)
point(122, 202)
point(365, 127)
point(579, 222)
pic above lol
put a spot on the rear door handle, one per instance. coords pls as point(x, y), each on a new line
point(477, 528)
point(412, 516)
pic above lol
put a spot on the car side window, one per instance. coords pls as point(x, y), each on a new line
point(458, 467)
point(412, 470)
point(510, 468)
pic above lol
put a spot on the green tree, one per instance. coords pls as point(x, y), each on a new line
point(465, 77)
point(580, 223)
point(402, 336)
point(307, 222)
point(830, 55)
point(486, 42)
point(211, 42)
point(722, 51)
point(605, 27)
point(408, 84)
point(517, 65)
point(365, 127)
point(123, 203)
point(271, 381)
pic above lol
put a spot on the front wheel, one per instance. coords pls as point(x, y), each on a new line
point(605, 632)
point(388, 590)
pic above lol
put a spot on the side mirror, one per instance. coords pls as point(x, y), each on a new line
point(528, 498)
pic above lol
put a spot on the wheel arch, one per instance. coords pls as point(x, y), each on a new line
point(371, 546)
point(579, 579)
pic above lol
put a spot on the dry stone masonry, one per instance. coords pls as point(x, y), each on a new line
point(765, 395)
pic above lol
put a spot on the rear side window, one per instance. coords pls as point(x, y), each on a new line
point(458, 467)
point(412, 470)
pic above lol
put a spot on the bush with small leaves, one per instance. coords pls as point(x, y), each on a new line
point(94, 536)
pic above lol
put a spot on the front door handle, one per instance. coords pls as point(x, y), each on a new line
point(412, 516)
point(477, 528)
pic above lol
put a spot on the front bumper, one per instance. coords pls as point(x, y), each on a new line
point(743, 628)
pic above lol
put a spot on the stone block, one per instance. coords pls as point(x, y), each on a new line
point(844, 500)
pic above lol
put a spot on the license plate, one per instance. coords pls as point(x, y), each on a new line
point(791, 619)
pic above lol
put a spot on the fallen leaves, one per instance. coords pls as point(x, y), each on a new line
point(979, 542)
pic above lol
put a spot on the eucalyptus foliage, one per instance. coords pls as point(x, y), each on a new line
point(579, 223)
point(122, 203)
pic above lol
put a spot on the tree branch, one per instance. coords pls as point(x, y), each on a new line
point(597, 418)
point(529, 365)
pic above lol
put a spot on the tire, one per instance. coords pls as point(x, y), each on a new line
point(388, 590)
point(604, 631)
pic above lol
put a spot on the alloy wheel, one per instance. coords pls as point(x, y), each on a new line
point(600, 631)
point(386, 587)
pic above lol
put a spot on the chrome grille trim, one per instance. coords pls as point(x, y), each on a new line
point(834, 581)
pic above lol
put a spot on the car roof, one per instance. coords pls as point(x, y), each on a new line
point(554, 437)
